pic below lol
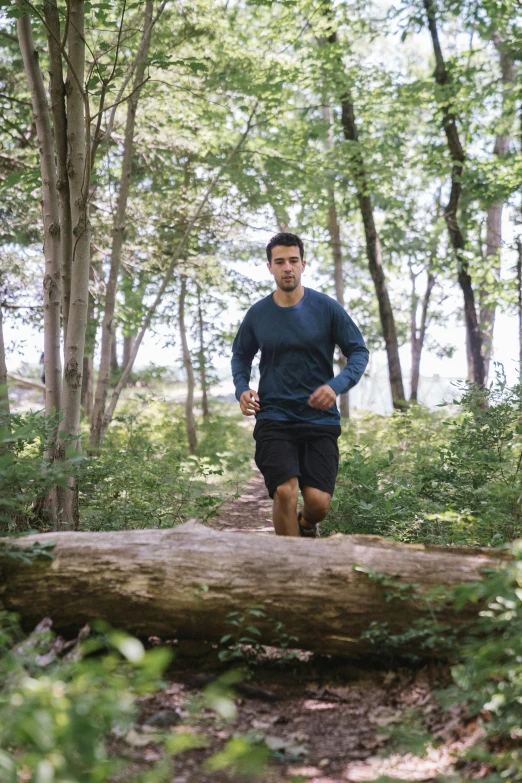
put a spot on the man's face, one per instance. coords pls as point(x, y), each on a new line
point(286, 267)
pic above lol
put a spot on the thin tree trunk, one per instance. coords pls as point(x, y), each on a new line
point(78, 169)
point(374, 254)
point(114, 351)
point(128, 346)
point(59, 115)
point(202, 358)
point(87, 374)
point(118, 232)
point(88, 357)
point(335, 244)
point(168, 276)
point(494, 212)
point(51, 218)
point(373, 247)
point(418, 333)
point(187, 362)
point(449, 121)
point(149, 583)
point(4, 394)
point(519, 292)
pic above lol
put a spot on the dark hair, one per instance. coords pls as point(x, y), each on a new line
point(287, 240)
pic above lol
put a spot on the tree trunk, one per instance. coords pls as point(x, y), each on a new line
point(374, 255)
point(494, 212)
point(519, 292)
point(168, 275)
point(335, 244)
point(418, 333)
point(51, 218)
point(114, 351)
point(4, 394)
point(118, 232)
point(457, 239)
point(88, 358)
point(202, 358)
point(186, 583)
point(59, 114)
point(187, 362)
point(128, 347)
point(373, 247)
point(78, 170)
point(87, 386)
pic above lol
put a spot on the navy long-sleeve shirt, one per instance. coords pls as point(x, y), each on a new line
point(297, 348)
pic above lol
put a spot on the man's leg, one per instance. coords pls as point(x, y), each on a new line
point(316, 506)
point(285, 508)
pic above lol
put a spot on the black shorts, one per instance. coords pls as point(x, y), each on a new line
point(287, 449)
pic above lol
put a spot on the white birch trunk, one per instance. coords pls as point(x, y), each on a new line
point(4, 394)
point(51, 218)
point(335, 244)
point(78, 170)
point(59, 115)
point(187, 362)
point(494, 212)
point(118, 231)
point(202, 358)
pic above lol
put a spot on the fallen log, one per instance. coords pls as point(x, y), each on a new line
point(30, 383)
point(192, 582)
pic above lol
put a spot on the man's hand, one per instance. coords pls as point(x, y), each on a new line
point(323, 398)
point(249, 402)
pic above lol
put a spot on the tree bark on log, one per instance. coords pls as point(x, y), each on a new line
point(185, 583)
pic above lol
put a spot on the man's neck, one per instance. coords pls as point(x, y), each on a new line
point(288, 298)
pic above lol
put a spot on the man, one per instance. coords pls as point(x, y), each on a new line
point(297, 421)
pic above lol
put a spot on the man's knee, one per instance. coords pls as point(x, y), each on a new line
point(317, 504)
point(288, 491)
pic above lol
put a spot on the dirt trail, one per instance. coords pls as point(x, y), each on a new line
point(252, 512)
point(326, 720)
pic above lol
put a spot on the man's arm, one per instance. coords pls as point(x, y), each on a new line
point(244, 349)
point(350, 340)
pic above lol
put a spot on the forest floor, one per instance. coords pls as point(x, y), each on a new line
point(325, 720)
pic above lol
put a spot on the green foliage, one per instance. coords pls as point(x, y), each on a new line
point(144, 476)
point(26, 475)
point(242, 641)
point(423, 477)
point(55, 724)
point(489, 678)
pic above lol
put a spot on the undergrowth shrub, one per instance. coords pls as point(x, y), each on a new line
point(145, 477)
point(489, 677)
point(419, 476)
point(56, 716)
point(25, 474)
